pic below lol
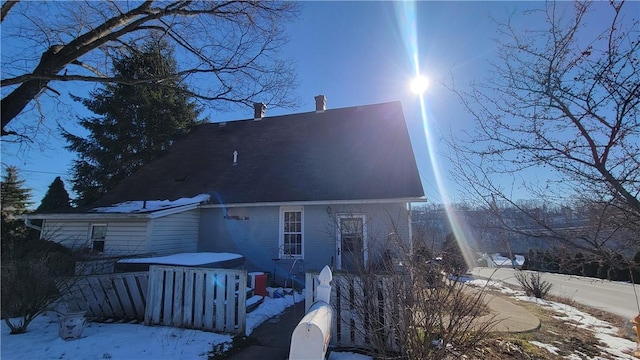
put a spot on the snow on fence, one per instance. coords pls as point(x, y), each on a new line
point(197, 298)
point(119, 296)
point(187, 297)
point(360, 310)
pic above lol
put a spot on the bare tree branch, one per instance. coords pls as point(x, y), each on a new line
point(227, 49)
point(6, 7)
point(568, 101)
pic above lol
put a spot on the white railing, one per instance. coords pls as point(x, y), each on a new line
point(310, 338)
point(363, 309)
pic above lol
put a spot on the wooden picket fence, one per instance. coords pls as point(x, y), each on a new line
point(120, 296)
point(352, 326)
point(196, 298)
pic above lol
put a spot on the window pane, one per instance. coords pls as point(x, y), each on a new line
point(98, 245)
point(98, 232)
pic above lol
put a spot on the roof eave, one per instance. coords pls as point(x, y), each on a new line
point(316, 202)
point(110, 215)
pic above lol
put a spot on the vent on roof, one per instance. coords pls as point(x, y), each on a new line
point(259, 111)
point(235, 158)
point(222, 124)
point(321, 103)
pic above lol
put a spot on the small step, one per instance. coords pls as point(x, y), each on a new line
point(253, 302)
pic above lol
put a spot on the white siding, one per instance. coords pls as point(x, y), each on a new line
point(175, 233)
point(126, 238)
point(72, 234)
point(123, 237)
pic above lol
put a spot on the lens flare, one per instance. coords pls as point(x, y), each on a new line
point(406, 16)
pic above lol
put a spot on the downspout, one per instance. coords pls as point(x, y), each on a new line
point(28, 223)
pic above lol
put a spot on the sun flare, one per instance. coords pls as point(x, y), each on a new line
point(419, 84)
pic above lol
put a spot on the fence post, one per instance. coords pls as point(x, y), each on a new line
point(310, 338)
point(324, 289)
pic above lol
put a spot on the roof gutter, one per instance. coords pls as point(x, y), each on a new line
point(108, 215)
point(311, 203)
point(29, 224)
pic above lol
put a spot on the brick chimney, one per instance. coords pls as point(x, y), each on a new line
point(321, 103)
point(259, 110)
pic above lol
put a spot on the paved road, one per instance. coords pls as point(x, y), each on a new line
point(611, 296)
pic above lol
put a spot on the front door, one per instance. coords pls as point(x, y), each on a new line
point(351, 243)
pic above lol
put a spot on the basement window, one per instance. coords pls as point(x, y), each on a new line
point(98, 234)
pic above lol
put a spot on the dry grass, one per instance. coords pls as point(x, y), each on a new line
point(566, 337)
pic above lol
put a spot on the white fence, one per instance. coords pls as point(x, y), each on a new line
point(361, 312)
point(196, 298)
point(121, 296)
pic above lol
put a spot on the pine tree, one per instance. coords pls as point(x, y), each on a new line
point(56, 198)
point(134, 123)
point(452, 257)
point(14, 197)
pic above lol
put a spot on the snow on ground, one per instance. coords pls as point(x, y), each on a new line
point(550, 348)
point(602, 330)
point(108, 341)
point(127, 341)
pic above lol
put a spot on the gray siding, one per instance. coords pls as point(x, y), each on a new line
point(72, 234)
point(122, 238)
point(254, 234)
point(175, 233)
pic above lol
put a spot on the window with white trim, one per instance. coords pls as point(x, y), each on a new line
point(98, 234)
point(291, 232)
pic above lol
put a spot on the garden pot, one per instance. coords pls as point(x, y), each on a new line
point(71, 325)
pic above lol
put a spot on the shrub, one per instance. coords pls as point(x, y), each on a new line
point(533, 284)
point(30, 269)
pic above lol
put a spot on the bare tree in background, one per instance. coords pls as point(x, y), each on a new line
point(227, 51)
point(563, 99)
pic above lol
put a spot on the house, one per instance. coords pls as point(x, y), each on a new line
point(290, 193)
point(497, 260)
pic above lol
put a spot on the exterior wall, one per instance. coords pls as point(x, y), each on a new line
point(175, 233)
point(255, 238)
point(123, 237)
point(72, 234)
point(254, 233)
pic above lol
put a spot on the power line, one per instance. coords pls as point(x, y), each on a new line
point(44, 172)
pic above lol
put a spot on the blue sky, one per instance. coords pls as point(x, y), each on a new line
point(358, 53)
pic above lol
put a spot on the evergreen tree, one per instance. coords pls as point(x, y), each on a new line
point(134, 123)
point(14, 197)
point(14, 200)
point(56, 198)
point(452, 257)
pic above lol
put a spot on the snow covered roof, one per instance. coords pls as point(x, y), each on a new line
point(146, 206)
point(145, 209)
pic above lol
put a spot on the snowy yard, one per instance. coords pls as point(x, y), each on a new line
point(132, 341)
point(612, 345)
point(136, 341)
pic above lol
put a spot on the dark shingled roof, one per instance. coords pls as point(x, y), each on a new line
point(355, 153)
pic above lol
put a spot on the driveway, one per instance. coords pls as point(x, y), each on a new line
point(615, 297)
